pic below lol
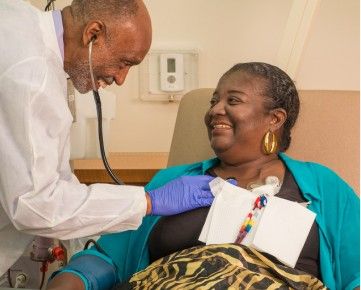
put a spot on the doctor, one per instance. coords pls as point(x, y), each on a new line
point(39, 195)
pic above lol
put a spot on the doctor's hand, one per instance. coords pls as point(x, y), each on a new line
point(182, 194)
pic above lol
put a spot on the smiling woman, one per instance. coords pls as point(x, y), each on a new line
point(251, 101)
point(249, 122)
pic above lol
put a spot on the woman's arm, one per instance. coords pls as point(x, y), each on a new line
point(66, 281)
point(88, 269)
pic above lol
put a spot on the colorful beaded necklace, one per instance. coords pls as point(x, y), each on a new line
point(248, 223)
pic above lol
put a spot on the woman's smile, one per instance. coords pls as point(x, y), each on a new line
point(220, 127)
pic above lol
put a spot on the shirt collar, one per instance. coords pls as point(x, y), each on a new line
point(58, 24)
point(303, 175)
point(210, 163)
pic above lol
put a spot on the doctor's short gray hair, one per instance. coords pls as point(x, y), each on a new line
point(85, 10)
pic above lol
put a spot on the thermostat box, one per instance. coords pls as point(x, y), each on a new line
point(166, 75)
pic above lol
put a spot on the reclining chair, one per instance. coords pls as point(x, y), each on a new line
point(327, 131)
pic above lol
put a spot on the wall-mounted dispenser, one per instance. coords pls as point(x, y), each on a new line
point(166, 75)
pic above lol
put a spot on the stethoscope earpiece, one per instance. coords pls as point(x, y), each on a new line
point(90, 63)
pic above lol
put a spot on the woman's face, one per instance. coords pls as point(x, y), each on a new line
point(237, 120)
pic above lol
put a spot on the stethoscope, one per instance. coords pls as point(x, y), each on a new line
point(98, 104)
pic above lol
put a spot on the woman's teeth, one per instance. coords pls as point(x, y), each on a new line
point(221, 126)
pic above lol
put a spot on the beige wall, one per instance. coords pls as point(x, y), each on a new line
point(331, 55)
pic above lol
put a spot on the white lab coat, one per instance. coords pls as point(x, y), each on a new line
point(39, 195)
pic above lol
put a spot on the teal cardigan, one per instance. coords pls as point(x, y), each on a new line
point(335, 203)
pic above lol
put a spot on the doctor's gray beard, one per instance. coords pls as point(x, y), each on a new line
point(79, 73)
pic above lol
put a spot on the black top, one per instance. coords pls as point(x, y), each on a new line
point(179, 232)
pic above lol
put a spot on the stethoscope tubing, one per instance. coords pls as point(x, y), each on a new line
point(98, 104)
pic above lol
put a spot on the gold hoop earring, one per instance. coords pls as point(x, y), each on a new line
point(270, 143)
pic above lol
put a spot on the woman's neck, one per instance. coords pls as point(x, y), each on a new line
point(251, 171)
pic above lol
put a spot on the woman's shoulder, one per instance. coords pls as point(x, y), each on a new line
point(314, 176)
point(309, 167)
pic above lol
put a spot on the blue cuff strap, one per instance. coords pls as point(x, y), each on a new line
point(98, 273)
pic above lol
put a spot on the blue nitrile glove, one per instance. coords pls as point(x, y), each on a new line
point(182, 194)
point(232, 181)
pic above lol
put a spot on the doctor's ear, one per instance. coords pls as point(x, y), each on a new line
point(94, 31)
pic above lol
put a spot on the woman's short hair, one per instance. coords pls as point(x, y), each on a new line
point(279, 92)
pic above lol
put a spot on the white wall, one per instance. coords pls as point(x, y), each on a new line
point(227, 32)
point(331, 55)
